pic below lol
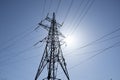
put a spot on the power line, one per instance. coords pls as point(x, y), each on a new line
point(117, 36)
point(15, 40)
point(101, 51)
point(68, 53)
point(104, 36)
point(89, 52)
point(79, 6)
point(102, 41)
point(70, 6)
point(18, 35)
point(91, 57)
point(24, 59)
point(93, 42)
point(59, 2)
point(50, 5)
point(81, 17)
point(21, 52)
point(24, 33)
point(17, 54)
point(43, 10)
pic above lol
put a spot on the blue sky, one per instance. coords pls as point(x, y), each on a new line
point(19, 60)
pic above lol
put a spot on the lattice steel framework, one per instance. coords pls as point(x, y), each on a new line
point(52, 56)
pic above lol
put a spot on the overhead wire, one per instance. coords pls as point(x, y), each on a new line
point(17, 61)
point(24, 35)
point(30, 48)
point(99, 42)
point(102, 37)
point(5, 48)
point(79, 6)
point(57, 8)
point(81, 16)
point(101, 51)
point(84, 53)
point(24, 59)
point(117, 36)
point(12, 55)
point(50, 4)
point(23, 32)
point(19, 53)
point(91, 57)
point(43, 10)
point(15, 39)
point(18, 35)
point(69, 8)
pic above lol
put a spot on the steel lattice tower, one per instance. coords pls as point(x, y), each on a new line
point(52, 55)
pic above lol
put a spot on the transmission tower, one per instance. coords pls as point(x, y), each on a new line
point(52, 56)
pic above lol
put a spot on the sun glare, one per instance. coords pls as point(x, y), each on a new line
point(70, 41)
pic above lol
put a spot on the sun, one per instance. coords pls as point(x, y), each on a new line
point(70, 41)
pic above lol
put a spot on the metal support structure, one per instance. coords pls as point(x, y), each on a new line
point(52, 55)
